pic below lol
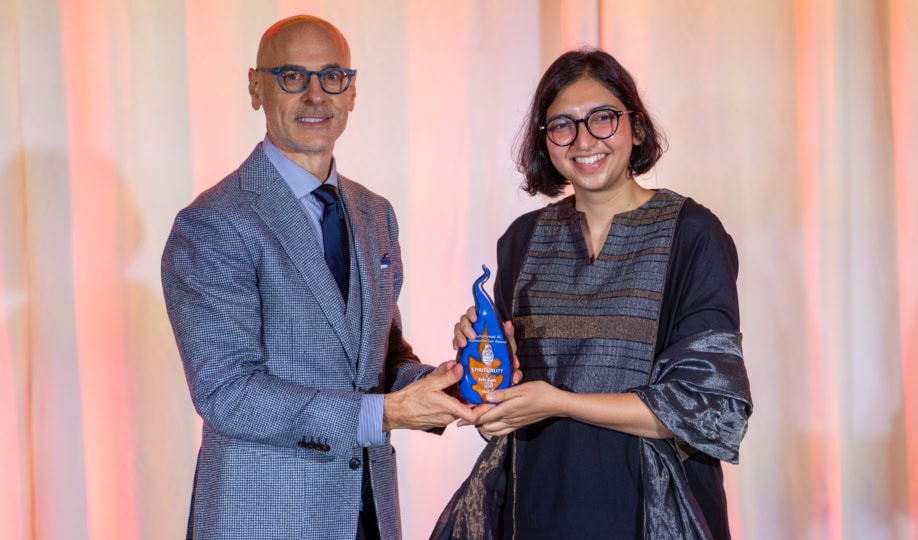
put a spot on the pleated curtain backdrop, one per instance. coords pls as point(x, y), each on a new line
point(793, 120)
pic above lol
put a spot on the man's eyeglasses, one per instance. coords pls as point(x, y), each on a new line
point(295, 79)
point(601, 124)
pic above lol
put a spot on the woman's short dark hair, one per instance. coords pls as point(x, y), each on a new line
point(532, 158)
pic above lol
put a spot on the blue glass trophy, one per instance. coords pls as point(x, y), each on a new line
point(485, 360)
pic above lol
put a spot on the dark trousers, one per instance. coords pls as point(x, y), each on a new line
point(367, 526)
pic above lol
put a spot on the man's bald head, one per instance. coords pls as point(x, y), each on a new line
point(280, 33)
point(305, 121)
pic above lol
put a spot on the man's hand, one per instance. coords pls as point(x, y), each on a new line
point(423, 404)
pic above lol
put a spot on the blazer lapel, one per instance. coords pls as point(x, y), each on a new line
point(358, 216)
point(283, 214)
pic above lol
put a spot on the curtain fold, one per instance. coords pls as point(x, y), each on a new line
point(793, 120)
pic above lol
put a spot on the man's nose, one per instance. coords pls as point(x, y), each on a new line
point(314, 92)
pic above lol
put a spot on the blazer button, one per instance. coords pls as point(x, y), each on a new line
point(354, 463)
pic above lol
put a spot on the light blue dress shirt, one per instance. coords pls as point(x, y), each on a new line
point(302, 183)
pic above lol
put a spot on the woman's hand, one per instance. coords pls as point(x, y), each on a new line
point(519, 406)
point(531, 402)
point(463, 332)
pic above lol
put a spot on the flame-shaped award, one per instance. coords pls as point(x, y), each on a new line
point(485, 360)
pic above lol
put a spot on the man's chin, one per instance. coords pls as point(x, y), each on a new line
point(311, 145)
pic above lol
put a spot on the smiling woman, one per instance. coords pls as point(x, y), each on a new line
point(597, 165)
point(634, 386)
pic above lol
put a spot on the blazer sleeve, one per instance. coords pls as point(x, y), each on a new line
point(214, 302)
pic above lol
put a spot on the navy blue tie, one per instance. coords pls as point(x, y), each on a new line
point(334, 236)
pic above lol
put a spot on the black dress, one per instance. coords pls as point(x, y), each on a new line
point(574, 480)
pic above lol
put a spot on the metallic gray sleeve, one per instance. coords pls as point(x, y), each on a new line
point(700, 391)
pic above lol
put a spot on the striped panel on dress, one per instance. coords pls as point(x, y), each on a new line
point(591, 327)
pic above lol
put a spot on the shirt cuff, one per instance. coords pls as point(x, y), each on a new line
point(369, 424)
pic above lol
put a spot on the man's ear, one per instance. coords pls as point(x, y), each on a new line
point(254, 89)
point(353, 92)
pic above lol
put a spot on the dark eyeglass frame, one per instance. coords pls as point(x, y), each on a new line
point(277, 71)
point(586, 123)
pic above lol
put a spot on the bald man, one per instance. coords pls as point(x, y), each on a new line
point(296, 364)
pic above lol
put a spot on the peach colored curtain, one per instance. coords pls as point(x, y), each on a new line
point(794, 120)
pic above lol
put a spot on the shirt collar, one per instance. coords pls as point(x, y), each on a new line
point(300, 180)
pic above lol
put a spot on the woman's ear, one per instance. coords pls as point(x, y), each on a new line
point(637, 129)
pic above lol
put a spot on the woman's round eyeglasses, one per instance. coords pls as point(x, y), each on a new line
point(602, 123)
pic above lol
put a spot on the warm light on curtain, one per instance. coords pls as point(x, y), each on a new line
point(793, 120)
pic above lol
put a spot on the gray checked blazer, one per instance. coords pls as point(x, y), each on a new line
point(277, 364)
